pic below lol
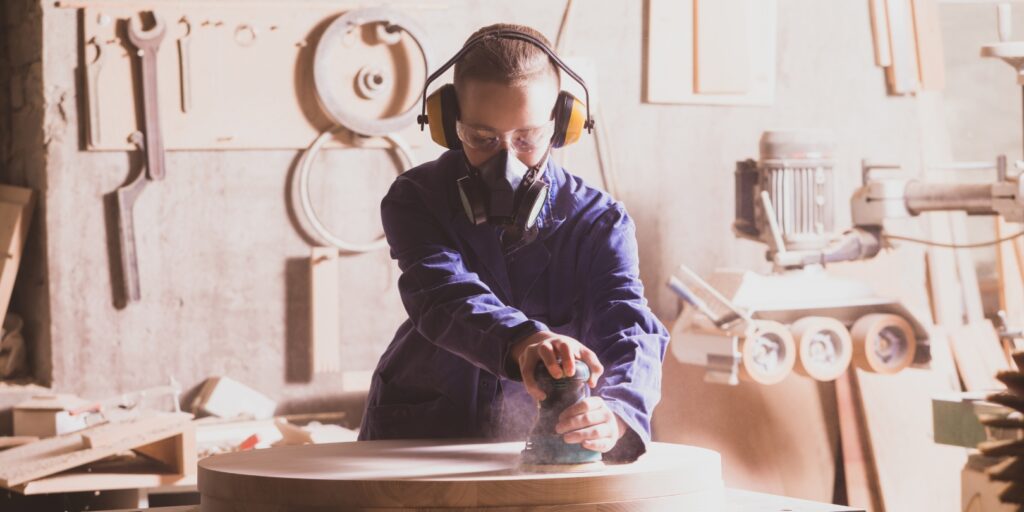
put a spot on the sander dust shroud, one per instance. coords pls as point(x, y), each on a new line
point(545, 451)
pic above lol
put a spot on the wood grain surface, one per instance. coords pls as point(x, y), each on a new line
point(449, 474)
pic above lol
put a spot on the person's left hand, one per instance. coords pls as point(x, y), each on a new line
point(591, 423)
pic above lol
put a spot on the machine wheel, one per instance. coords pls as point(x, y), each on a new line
point(825, 347)
point(883, 343)
point(769, 352)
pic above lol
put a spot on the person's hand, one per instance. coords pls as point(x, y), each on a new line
point(553, 349)
point(591, 423)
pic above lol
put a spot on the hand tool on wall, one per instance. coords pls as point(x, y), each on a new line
point(126, 197)
point(545, 450)
point(184, 64)
point(147, 42)
point(95, 68)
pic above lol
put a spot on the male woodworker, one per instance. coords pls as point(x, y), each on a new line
point(507, 259)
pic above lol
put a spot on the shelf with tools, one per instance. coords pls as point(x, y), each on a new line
point(205, 54)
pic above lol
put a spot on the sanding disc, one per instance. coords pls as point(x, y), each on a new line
point(883, 343)
point(769, 352)
point(561, 468)
point(825, 347)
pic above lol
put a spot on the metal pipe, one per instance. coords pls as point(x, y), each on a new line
point(856, 244)
point(973, 198)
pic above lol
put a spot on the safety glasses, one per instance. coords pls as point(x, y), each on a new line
point(523, 140)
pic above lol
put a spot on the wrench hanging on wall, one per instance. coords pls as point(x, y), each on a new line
point(148, 42)
point(150, 141)
point(185, 64)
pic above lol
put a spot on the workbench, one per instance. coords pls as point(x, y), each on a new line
point(734, 501)
point(466, 475)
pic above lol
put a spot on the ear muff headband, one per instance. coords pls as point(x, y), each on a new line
point(423, 118)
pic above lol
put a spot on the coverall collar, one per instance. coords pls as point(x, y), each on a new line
point(531, 260)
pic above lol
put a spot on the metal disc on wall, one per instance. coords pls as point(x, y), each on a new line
point(369, 69)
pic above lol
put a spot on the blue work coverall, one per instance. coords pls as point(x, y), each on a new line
point(447, 372)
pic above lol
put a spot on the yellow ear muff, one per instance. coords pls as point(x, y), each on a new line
point(442, 112)
point(577, 119)
point(570, 119)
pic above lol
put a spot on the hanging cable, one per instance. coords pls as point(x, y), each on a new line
point(952, 245)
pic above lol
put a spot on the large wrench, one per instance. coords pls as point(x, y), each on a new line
point(126, 197)
point(148, 42)
point(149, 141)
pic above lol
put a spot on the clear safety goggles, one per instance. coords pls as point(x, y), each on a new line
point(523, 140)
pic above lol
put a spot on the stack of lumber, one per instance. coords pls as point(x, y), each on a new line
point(62, 463)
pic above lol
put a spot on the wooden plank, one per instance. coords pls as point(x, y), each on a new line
point(1018, 251)
point(945, 297)
point(94, 481)
point(976, 354)
point(953, 280)
point(979, 355)
point(859, 470)
point(178, 453)
point(50, 456)
point(779, 439)
point(670, 50)
point(325, 309)
point(880, 33)
point(981, 493)
point(100, 437)
point(928, 39)
point(948, 306)
point(109, 474)
point(722, 55)
point(896, 408)
point(670, 59)
point(16, 206)
point(965, 268)
point(12, 441)
point(903, 73)
point(1010, 275)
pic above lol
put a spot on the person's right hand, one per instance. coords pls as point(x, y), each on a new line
point(553, 349)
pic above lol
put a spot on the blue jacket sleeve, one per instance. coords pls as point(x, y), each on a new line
point(446, 302)
point(622, 330)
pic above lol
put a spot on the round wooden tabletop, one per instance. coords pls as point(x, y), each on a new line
point(424, 474)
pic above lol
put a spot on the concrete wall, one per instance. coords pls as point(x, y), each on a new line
point(23, 112)
point(223, 267)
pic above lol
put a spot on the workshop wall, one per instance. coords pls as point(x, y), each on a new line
point(224, 270)
point(23, 111)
